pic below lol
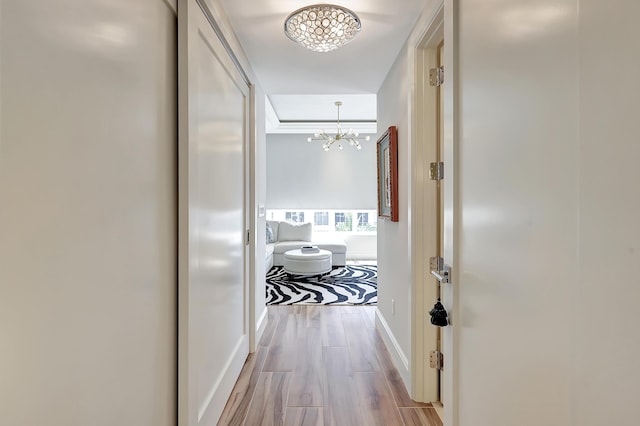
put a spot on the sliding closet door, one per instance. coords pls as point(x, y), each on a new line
point(213, 291)
point(88, 124)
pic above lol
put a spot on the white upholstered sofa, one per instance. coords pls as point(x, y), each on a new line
point(285, 236)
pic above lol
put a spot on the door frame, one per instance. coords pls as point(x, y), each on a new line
point(445, 18)
point(424, 242)
point(452, 214)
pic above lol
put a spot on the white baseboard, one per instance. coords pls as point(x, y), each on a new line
point(210, 410)
point(261, 324)
point(400, 360)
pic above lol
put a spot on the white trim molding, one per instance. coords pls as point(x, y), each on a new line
point(261, 325)
point(400, 360)
point(172, 4)
point(275, 125)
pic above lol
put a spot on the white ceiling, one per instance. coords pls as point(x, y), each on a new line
point(303, 85)
point(310, 113)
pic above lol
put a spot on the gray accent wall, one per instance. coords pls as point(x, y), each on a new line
point(301, 174)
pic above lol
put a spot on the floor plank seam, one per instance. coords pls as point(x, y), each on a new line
point(358, 383)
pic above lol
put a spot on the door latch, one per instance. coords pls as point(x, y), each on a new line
point(439, 269)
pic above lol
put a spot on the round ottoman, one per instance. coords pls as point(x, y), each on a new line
point(297, 262)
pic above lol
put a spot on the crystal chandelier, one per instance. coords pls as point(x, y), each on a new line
point(322, 27)
point(348, 136)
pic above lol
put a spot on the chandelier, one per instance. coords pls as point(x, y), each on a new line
point(322, 27)
point(348, 136)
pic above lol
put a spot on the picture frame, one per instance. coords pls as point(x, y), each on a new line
point(387, 157)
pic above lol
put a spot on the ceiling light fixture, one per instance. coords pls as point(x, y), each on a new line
point(349, 136)
point(322, 27)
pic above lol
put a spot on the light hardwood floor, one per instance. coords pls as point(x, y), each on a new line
point(322, 365)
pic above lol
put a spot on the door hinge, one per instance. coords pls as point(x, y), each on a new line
point(436, 76)
point(436, 263)
point(248, 240)
point(436, 170)
point(436, 360)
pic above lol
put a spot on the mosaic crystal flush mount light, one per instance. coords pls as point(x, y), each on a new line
point(322, 27)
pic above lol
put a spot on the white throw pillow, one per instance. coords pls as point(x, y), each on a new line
point(270, 238)
point(295, 232)
point(274, 228)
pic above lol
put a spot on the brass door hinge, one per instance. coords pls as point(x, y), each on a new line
point(436, 170)
point(436, 360)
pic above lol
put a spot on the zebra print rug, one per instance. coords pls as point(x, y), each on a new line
point(345, 285)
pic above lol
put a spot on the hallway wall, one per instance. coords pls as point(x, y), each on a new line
point(88, 115)
point(394, 257)
point(260, 180)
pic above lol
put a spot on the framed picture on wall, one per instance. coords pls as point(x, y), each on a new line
point(387, 155)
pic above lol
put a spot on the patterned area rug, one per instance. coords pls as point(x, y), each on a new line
point(345, 285)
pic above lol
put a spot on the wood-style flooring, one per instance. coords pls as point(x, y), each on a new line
point(322, 365)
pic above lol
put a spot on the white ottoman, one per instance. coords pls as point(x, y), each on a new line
point(316, 263)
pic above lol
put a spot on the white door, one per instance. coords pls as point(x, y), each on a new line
point(213, 291)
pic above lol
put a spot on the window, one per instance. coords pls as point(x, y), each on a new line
point(363, 223)
point(343, 222)
point(321, 218)
point(295, 217)
point(328, 222)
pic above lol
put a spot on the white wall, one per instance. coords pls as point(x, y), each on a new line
point(301, 174)
point(260, 196)
point(88, 213)
point(394, 269)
